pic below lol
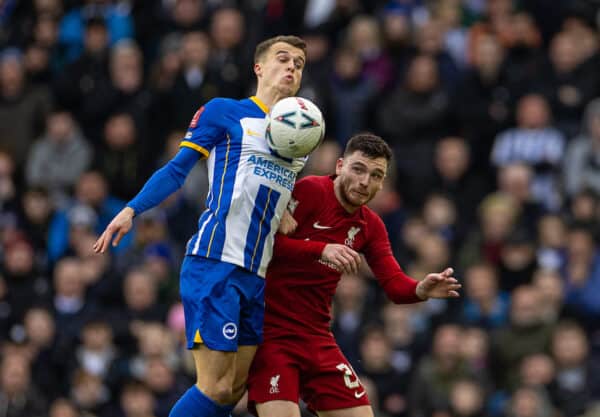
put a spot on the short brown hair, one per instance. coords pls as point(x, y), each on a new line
point(264, 46)
point(369, 144)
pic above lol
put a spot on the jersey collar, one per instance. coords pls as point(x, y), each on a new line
point(260, 104)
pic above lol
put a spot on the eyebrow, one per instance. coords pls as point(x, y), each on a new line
point(363, 165)
point(283, 51)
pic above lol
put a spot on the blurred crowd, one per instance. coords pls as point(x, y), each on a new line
point(492, 108)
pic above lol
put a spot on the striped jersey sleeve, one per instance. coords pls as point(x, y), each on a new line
point(206, 128)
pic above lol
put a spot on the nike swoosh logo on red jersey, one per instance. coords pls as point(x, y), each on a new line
point(316, 225)
point(359, 394)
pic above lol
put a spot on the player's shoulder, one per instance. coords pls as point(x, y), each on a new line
point(314, 182)
point(371, 218)
point(219, 111)
point(316, 179)
point(236, 107)
point(219, 104)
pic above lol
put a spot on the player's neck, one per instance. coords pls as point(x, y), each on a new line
point(269, 97)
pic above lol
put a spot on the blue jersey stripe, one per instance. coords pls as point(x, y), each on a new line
point(228, 178)
point(212, 227)
point(218, 167)
point(260, 226)
point(208, 226)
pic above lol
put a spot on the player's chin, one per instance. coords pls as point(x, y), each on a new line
point(359, 201)
point(288, 89)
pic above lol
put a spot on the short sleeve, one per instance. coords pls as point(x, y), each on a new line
point(206, 128)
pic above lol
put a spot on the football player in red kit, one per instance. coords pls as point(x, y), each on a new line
point(299, 357)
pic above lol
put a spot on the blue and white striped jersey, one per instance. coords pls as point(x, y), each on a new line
point(249, 187)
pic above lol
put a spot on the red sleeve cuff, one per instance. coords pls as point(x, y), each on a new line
point(402, 290)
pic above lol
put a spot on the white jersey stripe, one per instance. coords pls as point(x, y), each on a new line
point(197, 245)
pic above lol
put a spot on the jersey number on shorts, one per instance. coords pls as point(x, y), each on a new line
point(348, 375)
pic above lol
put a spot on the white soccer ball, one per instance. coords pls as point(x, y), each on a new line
point(296, 127)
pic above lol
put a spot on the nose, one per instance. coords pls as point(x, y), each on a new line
point(363, 180)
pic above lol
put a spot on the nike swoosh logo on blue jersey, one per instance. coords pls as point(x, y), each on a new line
point(251, 132)
point(316, 225)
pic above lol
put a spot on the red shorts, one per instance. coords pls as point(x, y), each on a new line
point(314, 370)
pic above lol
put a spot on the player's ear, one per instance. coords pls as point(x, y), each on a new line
point(258, 69)
point(338, 166)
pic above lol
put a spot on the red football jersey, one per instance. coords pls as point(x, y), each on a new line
point(300, 286)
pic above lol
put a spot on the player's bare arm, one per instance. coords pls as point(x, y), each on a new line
point(439, 285)
point(288, 224)
point(118, 227)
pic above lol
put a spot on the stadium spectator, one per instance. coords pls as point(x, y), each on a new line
point(582, 277)
point(498, 214)
point(484, 304)
point(97, 58)
point(81, 77)
point(576, 381)
point(376, 365)
point(568, 83)
point(70, 308)
point(550, 285)
point(406, 341)
point(412, 119)
point(455, 177)
point(436, 373)
point(350, 314)
point(430, 41)
point(90, 208)
point(537, 370)
point(526, 333)
point(72, 26)
point(34, 105)
point(195, 82)
point(137, 400)
point(467, 399)
point(140, 295)
point(517, 260)
point(516, 180)
point(231, 57)
point(47, 358)
point(551, 238)
point(121, 157)
point(59, 157)
point(535, 142)
point(26, 284)
point(18, 395)
point(581, 166)
point(351, 95)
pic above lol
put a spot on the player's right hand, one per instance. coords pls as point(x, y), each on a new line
point(118, 227)
point(345, 259)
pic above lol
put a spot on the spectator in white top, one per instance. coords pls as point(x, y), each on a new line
point(535, 142)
